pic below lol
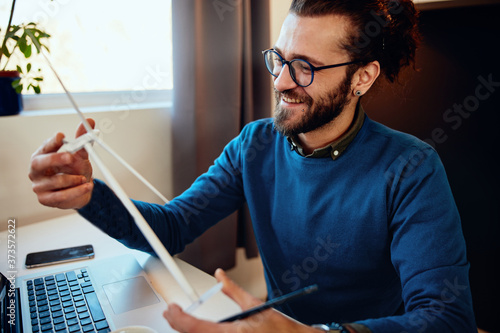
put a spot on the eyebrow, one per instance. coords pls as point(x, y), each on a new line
point(313, 61)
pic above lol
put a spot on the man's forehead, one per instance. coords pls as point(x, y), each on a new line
point(317, 36)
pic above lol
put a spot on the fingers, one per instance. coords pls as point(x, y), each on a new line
point(235, 292)
point(179, 320)
point(70, 198)
point(81, 128)
point(267, 321)
point(62, 180)
point(43, 165)
point(80, 131)
point(183, 322)
point(51, 145)
point(58, 182)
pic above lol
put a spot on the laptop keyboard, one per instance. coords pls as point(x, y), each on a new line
point(65, 302)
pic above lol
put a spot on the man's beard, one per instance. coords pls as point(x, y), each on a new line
point(326, 109)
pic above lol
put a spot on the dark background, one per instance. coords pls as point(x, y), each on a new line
point(459, 45)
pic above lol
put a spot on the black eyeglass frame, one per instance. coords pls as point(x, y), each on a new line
point(292, 75)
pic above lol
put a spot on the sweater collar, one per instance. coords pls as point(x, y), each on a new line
point(337, 147)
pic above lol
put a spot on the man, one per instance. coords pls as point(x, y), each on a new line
point(336, 199)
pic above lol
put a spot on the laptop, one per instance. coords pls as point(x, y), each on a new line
point(96, 296)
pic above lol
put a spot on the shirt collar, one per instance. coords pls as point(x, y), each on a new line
point(337, 147)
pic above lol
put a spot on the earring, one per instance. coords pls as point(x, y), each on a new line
point(358, 93)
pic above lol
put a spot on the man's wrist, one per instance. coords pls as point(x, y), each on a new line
point(333, 327)
point(357, 328)
point(342, 328)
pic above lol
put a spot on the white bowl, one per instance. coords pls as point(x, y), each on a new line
point(135, 329)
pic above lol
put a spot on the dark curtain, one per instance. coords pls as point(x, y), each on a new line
point(220, 84)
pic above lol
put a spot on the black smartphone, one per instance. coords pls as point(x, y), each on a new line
point(52, 257)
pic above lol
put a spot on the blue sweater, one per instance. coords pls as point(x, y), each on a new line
point(377, 229)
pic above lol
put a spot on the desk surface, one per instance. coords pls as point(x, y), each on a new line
point(74, 230)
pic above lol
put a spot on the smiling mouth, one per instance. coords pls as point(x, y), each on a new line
point(293, 100)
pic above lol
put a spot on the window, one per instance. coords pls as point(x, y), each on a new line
point(101, 46)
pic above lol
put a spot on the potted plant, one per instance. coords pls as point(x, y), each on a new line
point(18, 41)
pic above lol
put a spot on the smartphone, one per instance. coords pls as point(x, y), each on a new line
point(52, 257)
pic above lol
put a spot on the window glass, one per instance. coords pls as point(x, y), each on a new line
point(96, 45)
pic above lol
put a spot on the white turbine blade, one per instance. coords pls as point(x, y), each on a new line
point(141, 223)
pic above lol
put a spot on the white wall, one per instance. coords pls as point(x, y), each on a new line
point(279, 10)
point(141, 137)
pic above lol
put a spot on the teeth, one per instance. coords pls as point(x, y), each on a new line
point(292, 100)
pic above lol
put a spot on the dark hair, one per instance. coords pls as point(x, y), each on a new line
point(383, 30)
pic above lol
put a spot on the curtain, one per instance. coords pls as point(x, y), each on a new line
point(220, 84)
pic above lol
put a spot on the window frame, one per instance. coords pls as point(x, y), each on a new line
point(96, 101)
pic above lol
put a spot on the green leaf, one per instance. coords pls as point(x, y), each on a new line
point(28, 67)
point(14, 29)
point(19, 69)
point(18, 87)
point(37, 89)
point(32, 31)
point(38, 45)
point(6, 52)
point(42, 34)
point(16, 83)
point(38, 79)
point(22, 43)
point(27, 52)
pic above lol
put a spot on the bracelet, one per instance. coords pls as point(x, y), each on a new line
point(333, 327)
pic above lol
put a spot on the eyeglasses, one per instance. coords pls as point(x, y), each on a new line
point(301, 71)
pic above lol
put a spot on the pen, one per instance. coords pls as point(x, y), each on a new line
point(271, 303)
point(203, 298)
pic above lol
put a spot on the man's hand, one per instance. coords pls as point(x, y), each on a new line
point(61, 180)
point(266, 321)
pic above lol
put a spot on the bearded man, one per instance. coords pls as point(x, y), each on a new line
point(336, 199)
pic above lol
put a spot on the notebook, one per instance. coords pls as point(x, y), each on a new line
point(96, 296)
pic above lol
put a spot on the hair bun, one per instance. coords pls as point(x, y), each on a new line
point(383, 30)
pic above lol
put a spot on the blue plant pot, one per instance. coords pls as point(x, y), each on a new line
point(11, 103)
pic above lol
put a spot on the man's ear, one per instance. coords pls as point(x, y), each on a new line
point(365, 77)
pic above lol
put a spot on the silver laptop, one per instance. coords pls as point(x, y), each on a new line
point(93, 296)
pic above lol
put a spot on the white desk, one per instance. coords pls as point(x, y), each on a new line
point(74, 230)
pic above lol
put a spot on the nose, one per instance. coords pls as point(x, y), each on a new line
point(284, 81)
